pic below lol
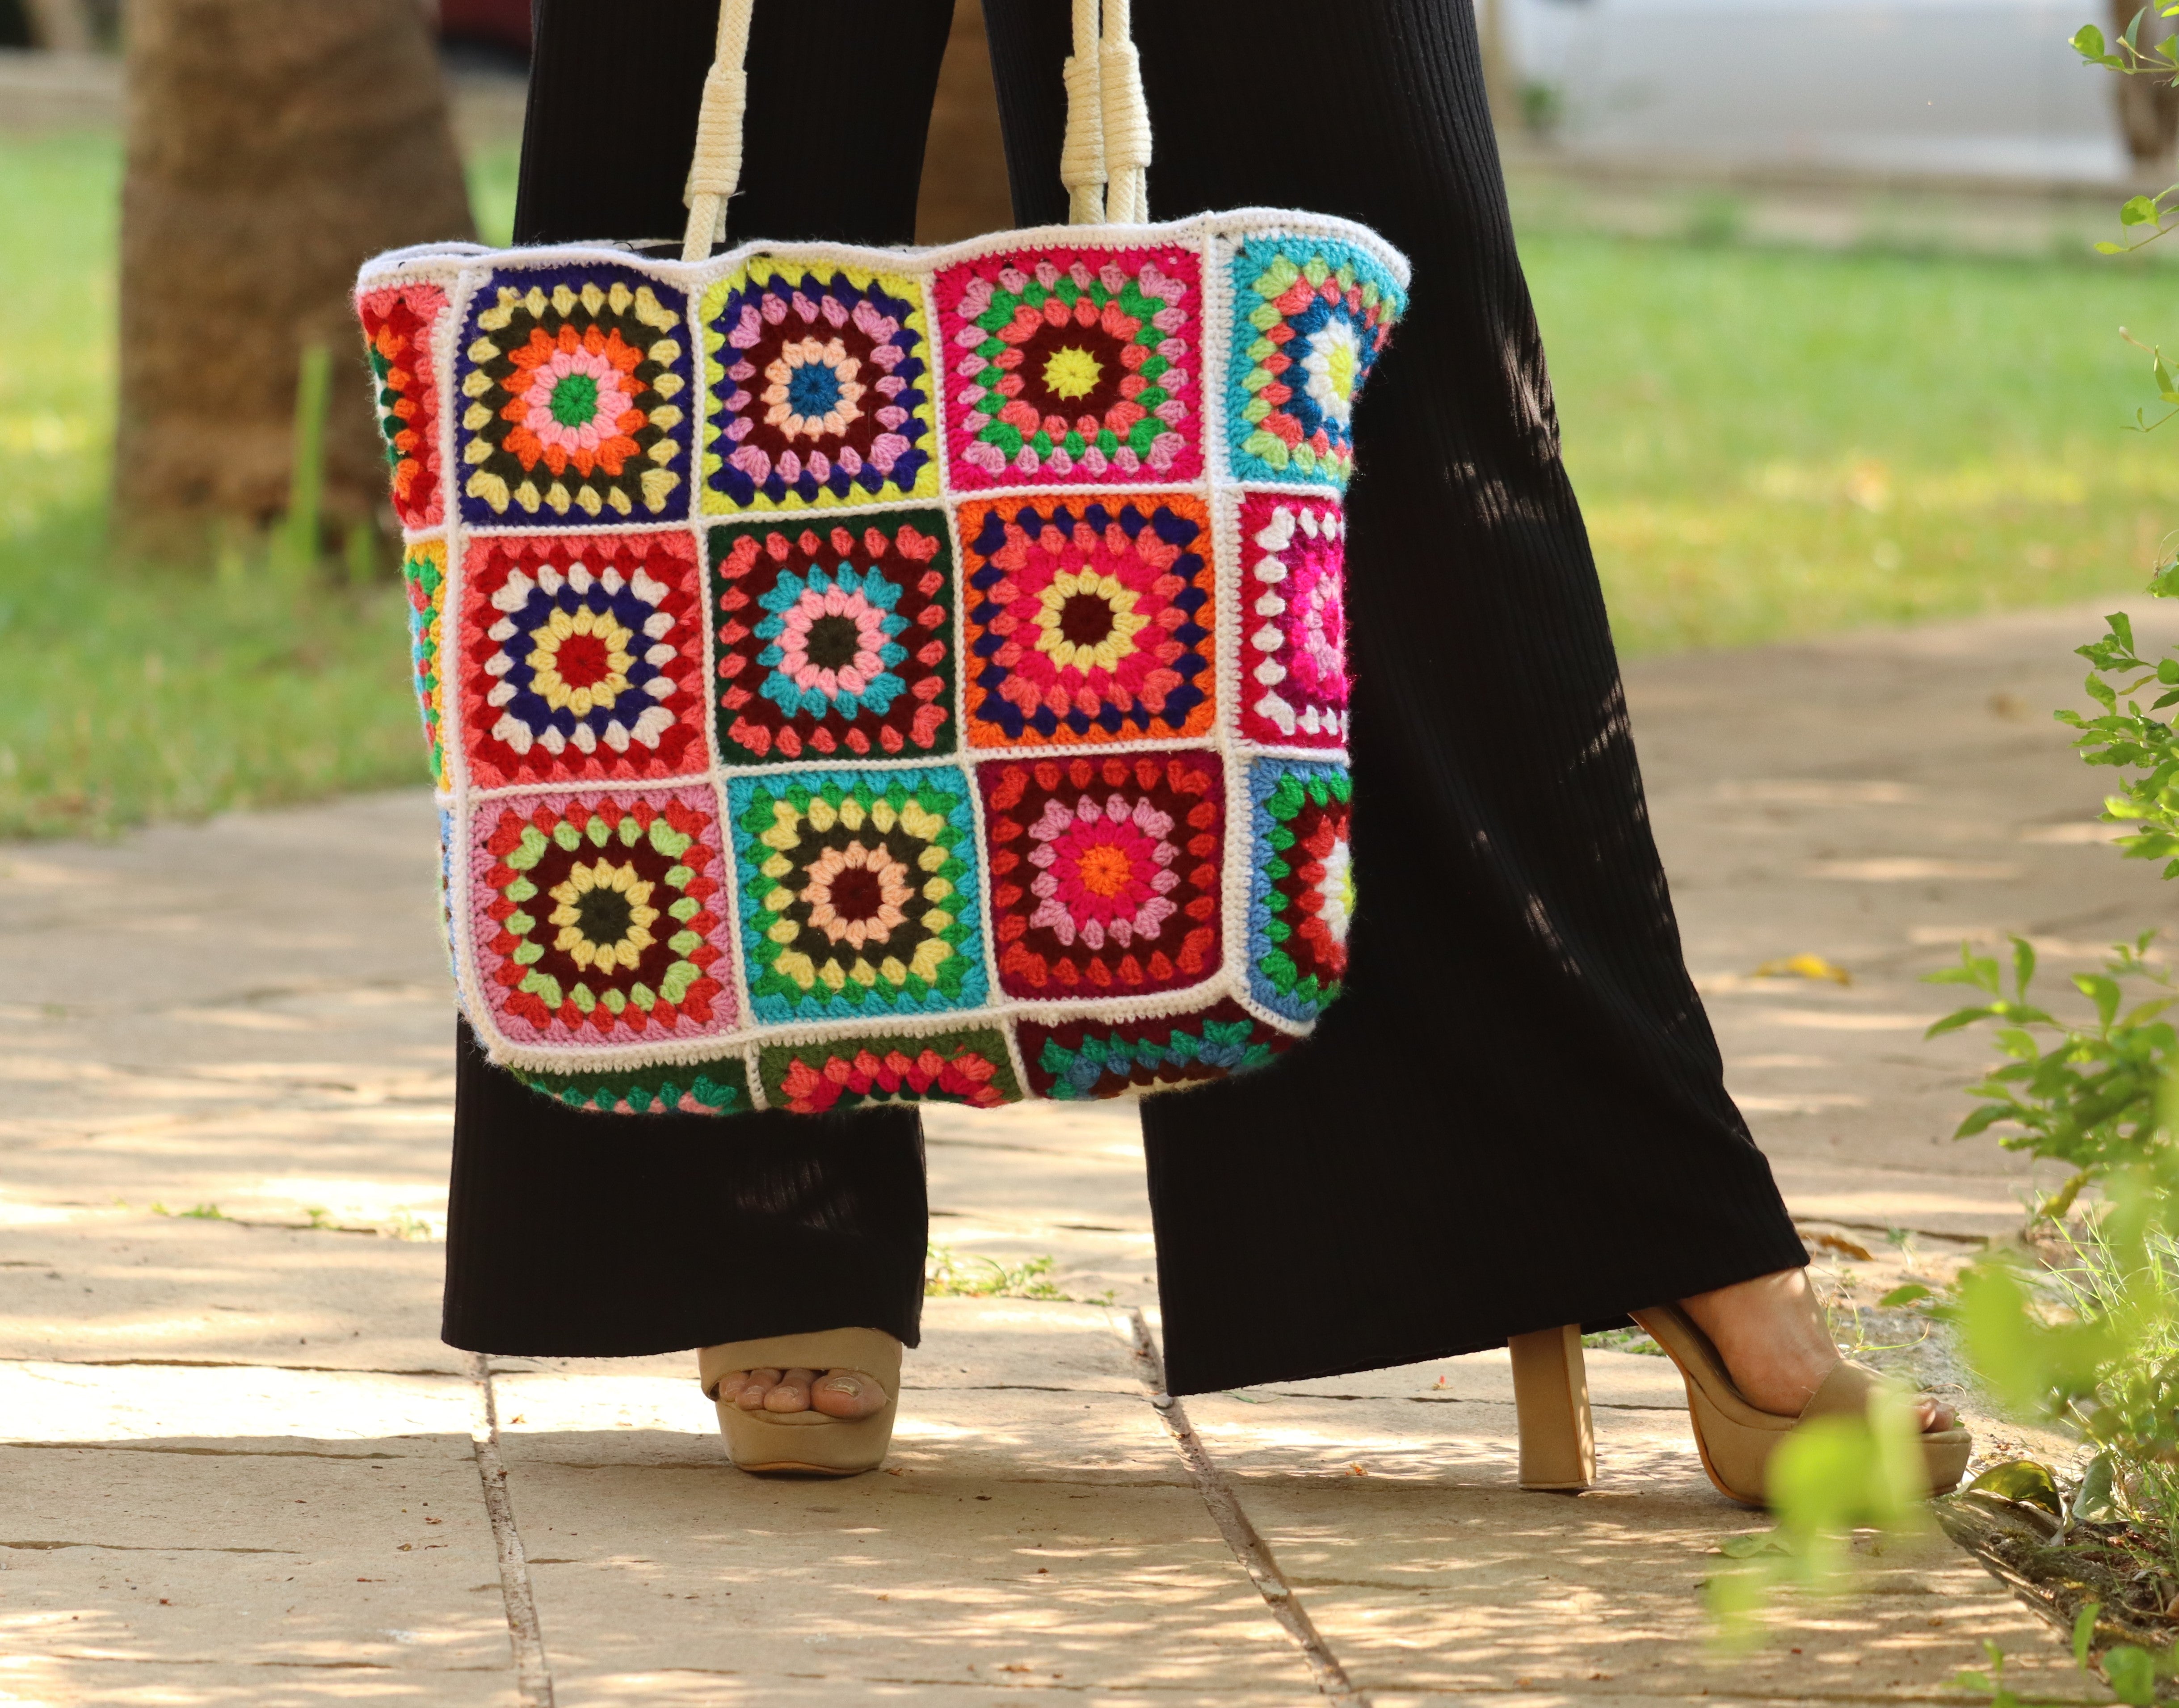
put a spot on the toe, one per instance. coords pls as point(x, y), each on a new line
point(1936, 1416)
point(792, 1393)
point(848, 1393)
point(755, 1387)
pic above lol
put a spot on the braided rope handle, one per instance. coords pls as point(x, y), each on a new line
point(1104, 160)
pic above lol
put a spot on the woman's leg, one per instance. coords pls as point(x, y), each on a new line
point(571, 1233)
point(1516, 1117)
point(574, 1232)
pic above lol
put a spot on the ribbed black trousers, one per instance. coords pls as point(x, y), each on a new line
point(1516, 1116)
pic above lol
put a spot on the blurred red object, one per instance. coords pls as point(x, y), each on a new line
point(503, 23)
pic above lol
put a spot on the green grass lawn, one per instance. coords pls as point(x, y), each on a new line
point(1768, 442)
point(141, 692)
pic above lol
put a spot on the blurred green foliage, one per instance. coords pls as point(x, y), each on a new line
point(136, 691)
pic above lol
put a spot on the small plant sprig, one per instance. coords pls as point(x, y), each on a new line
point(2091, 1099)
point(2127, 57)
point(2133, 738)
point(948, 1274)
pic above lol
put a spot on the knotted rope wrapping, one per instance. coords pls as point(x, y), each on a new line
point(1081, 154)
point(1108, 125)
point(716, 171)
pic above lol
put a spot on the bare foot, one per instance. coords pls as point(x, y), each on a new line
point(1771, 1333)
point(841, 1393)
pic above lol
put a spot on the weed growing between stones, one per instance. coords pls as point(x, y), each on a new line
point(947, 1274)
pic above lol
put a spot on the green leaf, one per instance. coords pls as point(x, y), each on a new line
point(2093, 1496)
point(2139, 210)
point(1962, 1017)
point(2089, 42)
point(2026, 1481)
point(2084, 1632)
point(2131, 1674)
point(2023, 966)
point(1904, 1295)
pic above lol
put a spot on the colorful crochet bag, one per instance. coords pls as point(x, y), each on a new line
point(862, 673)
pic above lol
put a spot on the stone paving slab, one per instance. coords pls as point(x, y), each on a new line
point(144, 1403)
point(113, 1285)
point(1033, 1520)
point(987, 1551)
point(1425, 1569)
point(1875, 799)
point(250, 1016)
point(173, 1559)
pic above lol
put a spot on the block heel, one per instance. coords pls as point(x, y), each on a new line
point(1550, 1396)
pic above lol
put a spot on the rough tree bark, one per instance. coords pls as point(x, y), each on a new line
point(2148, 106)
point(273, 146)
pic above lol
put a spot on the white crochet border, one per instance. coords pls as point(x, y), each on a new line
point(458, 269)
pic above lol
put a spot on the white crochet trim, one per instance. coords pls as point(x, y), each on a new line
point(462, 269)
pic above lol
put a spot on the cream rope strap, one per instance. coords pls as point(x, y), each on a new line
point(1104, 161)
point(715, 171)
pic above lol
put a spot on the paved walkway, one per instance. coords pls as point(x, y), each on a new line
point(237, 1466)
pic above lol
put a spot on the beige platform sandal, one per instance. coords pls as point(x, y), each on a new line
point(808, 1441)
point(1735, 1438)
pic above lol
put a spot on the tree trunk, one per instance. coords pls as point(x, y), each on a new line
point(272, 146)
point(2148, 106)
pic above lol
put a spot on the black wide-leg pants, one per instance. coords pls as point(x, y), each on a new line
point(1516, 1116)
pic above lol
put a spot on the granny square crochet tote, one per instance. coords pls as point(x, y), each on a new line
point(856, 673)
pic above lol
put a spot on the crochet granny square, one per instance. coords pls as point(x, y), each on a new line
point(1301, 885)
point(400, 328)
point(815, 387)
point(1293, 621)
point(970, 1066)
point(1105, 872)
point(1074, 366)
point(1309, 318)
point(1089, 621)
point(582, 656)
point(596, 917)
point(858, 892)
point(424, 580)
point(855, 676)
point(575, 389)
point(835, 641)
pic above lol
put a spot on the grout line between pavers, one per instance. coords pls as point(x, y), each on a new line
point(1240, 1535)
point(533, 1672)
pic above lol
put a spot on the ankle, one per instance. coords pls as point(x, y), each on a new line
point(1771, 1334)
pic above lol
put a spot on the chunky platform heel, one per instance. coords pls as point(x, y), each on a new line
point(1736, 1438)
point(807, 1441)
point(1550, 1396)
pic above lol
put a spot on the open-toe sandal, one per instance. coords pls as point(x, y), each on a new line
point(809, 1442)
point(1736, 1438)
